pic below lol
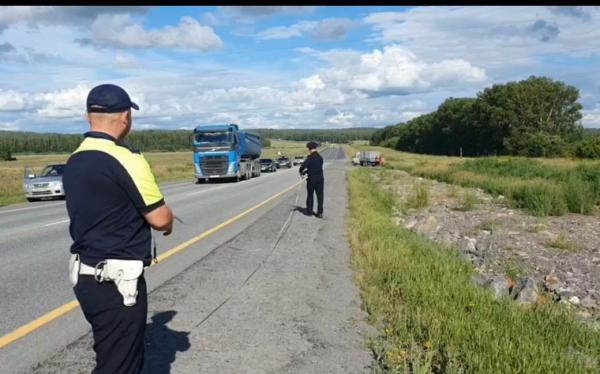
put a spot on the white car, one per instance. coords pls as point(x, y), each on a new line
point(298, 160)
point(47, 184)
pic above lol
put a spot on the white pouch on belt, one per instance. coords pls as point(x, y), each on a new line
point(125, 274)
point(74, 265)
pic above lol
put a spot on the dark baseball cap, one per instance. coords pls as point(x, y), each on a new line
point(311, 145)
point(109, 98)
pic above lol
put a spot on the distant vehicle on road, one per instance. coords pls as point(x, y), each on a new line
point(284, 161)
point(47, 184)
point(298, 160)
point(368, 158)
point(224, 151)
point(267, 164)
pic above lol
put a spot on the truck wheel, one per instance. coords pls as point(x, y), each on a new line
point(201, 181)
point(31, 199)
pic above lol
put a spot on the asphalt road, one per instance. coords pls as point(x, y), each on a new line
point(34, 254)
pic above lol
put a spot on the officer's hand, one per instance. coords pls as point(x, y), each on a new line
point(169, 229)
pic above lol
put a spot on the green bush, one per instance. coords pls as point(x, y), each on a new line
point(264, 142)
point(588, 147)
point(539, 144)
point(390, 142)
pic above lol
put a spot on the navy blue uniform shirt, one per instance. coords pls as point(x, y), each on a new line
point(313, 166)
point(108, 187)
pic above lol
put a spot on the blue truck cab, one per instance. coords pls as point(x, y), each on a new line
point(223, 151)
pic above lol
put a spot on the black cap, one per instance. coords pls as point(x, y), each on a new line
point(109, 98)
point(311, 145)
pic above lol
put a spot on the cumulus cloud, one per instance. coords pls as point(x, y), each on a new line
point(65, 103)
point(122, 32)
point(395, 70)
point(326, 30)
point(12, 101)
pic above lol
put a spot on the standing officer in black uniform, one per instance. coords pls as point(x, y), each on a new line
point(112, 199)
point(313, 167)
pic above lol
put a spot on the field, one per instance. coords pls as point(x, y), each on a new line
point(167, 166)
point(541, 186)
point(432, 318)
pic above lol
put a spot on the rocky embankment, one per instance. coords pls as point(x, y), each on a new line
point(530, 259)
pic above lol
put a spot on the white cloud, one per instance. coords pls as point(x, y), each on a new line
point(65, 103)
point(396, 70)
point(12, 101)
point(591, 117)
point(126, 62)
point(327, 29)
point(286, 32)
point(493, 37)
point(120, 31)
point(253, 12)
point(9, 126)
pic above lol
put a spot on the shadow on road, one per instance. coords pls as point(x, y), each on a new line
point(162, 344)
point(303, 211)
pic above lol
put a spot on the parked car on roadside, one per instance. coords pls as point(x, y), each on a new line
point(47, 184)
point(298, 160)
point(284, 161)
point(267, 164)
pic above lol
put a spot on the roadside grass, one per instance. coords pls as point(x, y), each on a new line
point(543, 187)
point(419, 197)
point(469, 201)
point(561, 242)
point(433, 319)
point(166, 166)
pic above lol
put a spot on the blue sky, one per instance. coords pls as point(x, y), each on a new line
point(283, 67)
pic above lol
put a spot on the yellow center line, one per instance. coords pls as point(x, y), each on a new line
point(65, 308)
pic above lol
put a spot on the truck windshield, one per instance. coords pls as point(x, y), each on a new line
point(220, 138)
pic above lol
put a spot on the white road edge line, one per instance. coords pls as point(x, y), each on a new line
point(31, 207)
point(56, 223)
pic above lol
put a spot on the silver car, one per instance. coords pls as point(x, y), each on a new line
point(47, 184)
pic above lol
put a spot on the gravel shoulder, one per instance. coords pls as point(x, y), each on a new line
point(253, 307)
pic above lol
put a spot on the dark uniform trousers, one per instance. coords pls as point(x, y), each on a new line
point(312, 186)
point(118, 329)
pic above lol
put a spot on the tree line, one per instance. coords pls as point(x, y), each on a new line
point(13, 142)
point(535, 117)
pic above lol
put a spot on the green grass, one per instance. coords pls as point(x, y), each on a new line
point(540, 186)
point(433, 319)
point(563, 243)
point(469, 201)
point(419, 197)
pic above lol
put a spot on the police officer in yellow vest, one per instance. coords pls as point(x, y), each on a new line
point(112, 200)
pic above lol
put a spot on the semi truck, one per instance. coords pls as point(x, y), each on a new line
point(225, 152)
